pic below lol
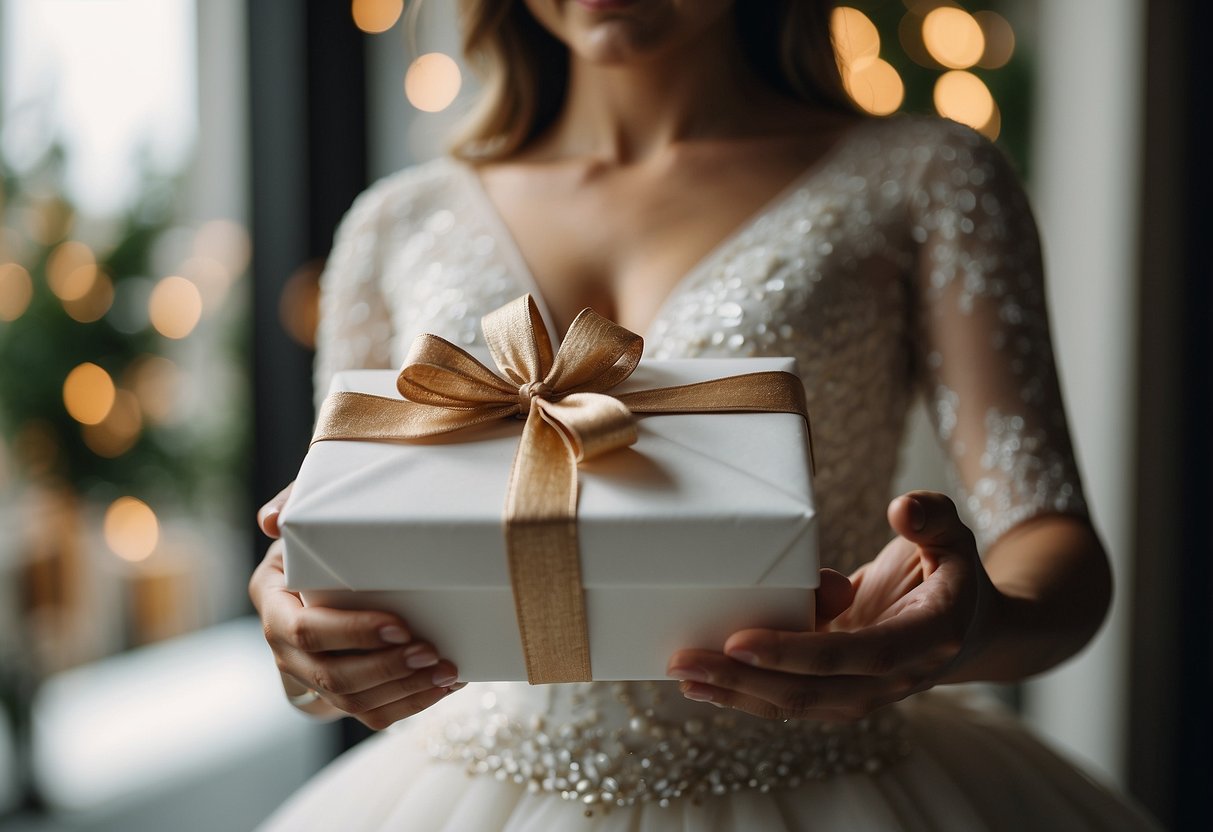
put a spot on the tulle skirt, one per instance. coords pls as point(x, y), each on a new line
point(970, 767)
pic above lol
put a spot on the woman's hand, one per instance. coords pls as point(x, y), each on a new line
point(365, 664)
point(919, 612)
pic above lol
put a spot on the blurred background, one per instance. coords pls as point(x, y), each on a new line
point(171, 172)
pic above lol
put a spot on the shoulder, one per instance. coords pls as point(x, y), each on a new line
point(922, 149)
point(404, 195)
point(927, 136)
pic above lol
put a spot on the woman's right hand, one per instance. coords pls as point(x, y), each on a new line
point(365, 664)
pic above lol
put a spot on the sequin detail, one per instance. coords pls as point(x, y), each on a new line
point(644, 754)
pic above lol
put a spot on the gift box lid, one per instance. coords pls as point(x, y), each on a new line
point(719, 499)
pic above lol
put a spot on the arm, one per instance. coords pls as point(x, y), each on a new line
point(926, 610)
point(1054, 587)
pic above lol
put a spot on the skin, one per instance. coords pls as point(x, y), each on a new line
point(663, 117)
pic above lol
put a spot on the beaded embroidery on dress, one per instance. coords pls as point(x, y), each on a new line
point(904, 263)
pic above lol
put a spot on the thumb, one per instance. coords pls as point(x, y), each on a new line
point(267, 517)
point(930, 520)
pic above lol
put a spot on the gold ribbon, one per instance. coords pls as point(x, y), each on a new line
point(569, 418)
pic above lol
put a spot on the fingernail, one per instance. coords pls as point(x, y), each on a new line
point(918, 515)
point(393, 634)
point(442, 678)
point(420, 656)
point(698, 694)
point(742, 656)
point(456, 686)
point(689, 674)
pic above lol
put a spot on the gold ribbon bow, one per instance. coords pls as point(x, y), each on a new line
point(569, 418)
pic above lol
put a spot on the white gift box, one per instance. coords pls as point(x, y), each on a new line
point(707, 525)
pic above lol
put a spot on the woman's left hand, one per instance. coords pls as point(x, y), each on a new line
point(918, 613)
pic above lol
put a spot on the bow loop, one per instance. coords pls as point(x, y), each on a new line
point(519, 341)
point(440, 374)
point(596, 355)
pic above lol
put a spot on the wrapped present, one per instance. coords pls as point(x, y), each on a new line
point(636, 509)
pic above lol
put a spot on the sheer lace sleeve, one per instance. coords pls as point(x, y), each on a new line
point(355, 328)
point(984, 358)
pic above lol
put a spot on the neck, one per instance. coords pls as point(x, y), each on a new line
point(623, 113)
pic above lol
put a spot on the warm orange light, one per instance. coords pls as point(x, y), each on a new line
point(96, 301)
point(432, 82)
point(299, 304)
point(154, 380)
point(16, 291)
point(953, 37)
point(119, 430)
point(876, 87)
point(68, 270)
point(1000, 39)
point(961, 96)
point(856, 40)
point(131, 529)
point(375, 16)
point(174, 307)
point(993, 127)
point(88, 394)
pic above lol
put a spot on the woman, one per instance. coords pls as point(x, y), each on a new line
point(693, 171)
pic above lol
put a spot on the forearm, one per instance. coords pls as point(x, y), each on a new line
point(1054, 587)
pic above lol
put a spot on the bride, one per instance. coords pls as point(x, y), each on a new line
point(694, 171)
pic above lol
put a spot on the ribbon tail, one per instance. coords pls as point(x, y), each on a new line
point(545, 568)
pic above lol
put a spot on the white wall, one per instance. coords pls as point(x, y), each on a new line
point(1085, 187)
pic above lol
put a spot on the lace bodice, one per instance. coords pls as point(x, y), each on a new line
point(906, 261)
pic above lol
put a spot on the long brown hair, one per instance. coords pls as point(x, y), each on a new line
point(525, 68)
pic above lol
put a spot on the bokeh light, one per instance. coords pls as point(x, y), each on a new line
point(96, 301)
point(299, 304)
point(154, 380)
point(953, 37)
point(131, 529)
point(856, 40)
point(1000, 40)
point(375, 16)
point(961, 96)
point(993, 127)
point(70, 270)
point(432, 82)
point(876, 87)
point(16, 291)
point(118, 432)
point(88, 394)
point(174, 307)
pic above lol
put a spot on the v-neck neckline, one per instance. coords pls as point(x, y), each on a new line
point(521, 269)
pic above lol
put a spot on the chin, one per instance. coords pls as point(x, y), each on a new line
point(616, 32)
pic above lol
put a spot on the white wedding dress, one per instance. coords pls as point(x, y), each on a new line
point(905, 262)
